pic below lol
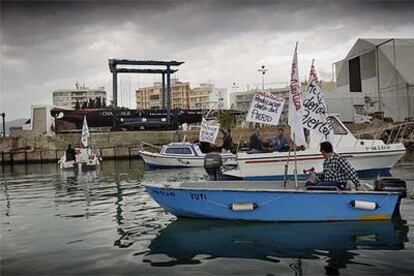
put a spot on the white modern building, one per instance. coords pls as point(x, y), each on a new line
point(67, 98)
point(382, 72)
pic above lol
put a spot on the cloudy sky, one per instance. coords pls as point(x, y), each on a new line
point(52, 45)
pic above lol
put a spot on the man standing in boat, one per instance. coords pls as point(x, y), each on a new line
point(336, 170)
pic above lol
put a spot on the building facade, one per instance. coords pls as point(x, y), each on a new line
point(206, 96)
point(151, 97)
point(68, 98)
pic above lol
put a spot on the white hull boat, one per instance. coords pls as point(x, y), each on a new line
point(370, 158)
point(180, 155)
point(85, 160)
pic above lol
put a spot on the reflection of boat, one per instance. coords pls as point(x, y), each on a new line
point(177, 155)
point(369, 157)
point(184, 239)
point(270, 201)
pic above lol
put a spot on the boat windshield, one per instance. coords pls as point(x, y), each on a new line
point(178, 151)
point(338, 129)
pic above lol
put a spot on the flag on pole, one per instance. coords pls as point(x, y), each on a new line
point(85, 132)
point(315, 110)
point(295, 104)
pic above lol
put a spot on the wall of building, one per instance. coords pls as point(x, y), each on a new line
point(67, 98)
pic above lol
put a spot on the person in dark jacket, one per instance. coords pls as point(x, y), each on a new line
point(70, 153)
point(227, 141)
point(256, 144)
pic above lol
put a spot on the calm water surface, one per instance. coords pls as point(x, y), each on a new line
point(103, 223)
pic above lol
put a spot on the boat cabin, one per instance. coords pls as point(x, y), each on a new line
point(181, 149)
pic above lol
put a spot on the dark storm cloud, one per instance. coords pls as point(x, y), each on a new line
point(50, 45)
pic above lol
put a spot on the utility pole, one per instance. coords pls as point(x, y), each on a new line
point(263, 71)
point(3, 115)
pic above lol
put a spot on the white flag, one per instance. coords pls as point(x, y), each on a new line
point(209, 131)
point(85, 133)
point(265, 108)
point(295, 104)
point(315, 114)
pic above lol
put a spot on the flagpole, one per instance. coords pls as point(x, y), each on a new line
point(296, 162)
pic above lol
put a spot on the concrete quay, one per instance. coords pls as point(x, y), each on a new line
point(110, 145)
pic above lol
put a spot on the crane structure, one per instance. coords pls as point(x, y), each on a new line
point(115, 66)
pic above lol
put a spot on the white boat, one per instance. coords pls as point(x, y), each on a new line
point(85, 158)
point(180, 155)
point(370, 158)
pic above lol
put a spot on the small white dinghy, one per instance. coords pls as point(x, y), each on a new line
point(85, 158)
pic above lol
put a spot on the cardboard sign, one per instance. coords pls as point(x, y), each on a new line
point(265, 108)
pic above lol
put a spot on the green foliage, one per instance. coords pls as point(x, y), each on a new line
point(227, 119)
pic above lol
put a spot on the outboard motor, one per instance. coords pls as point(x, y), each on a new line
point(213, 164)
point(390, 184)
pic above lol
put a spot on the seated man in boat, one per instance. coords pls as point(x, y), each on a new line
point(280, 142)
point(336, 170)
point(70, 153)
point(256, 144)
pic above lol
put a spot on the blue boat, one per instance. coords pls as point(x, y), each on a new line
point(270, 201)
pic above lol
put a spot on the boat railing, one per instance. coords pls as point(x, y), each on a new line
point(145, 144)
point(403, 132)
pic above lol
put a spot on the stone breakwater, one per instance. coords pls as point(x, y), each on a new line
point(110, 145)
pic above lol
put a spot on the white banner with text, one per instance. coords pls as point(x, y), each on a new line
point(265, 108)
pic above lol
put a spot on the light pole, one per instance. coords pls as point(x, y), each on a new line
point(263, 71)
point(3, 115)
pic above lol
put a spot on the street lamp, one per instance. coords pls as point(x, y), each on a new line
point(3, 115)
point(235, 86)
point(263, 71)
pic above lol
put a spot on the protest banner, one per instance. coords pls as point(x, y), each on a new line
point(209, 131)
point(315, 113)
point(265, 108)
point(295, 104)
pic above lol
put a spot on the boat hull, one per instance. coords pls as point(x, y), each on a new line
point(272, 205)
point(160, 161)
point(271, 166)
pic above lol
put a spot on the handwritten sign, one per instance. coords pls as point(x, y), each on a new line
point(315, 111)
point(209, 131)
point(265, 108)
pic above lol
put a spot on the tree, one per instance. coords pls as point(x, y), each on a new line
point(84, 104)
point(227, 119)
point(103, 102)
point(77, 104)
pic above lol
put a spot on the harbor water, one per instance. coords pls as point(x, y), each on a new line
point(103, 223)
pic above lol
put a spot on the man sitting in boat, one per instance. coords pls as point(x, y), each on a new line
point(280, 142)
point(70, 153)
point(256, 144)
point(336, 170)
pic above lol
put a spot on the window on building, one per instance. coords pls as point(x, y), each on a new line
point(355, 75)
point(359, 109)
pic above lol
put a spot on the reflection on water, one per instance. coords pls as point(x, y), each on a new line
point(105, 223)
point(184, 239)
